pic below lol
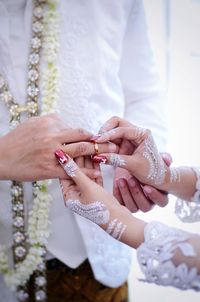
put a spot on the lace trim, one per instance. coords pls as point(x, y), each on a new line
point(189, 211)
point(156, 253)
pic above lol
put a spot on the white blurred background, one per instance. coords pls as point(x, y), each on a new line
point(174, 29)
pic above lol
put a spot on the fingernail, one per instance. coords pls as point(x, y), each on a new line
point(131, 183)
point(95, 137)
point(147, 190)
point(121, 183)
point(112, 147)
point(99, 159)
point(61, 157)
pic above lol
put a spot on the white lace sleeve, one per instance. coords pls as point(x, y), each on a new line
point(156, 257)
point(189, 211)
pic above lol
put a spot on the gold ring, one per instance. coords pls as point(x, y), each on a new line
point(96, 148)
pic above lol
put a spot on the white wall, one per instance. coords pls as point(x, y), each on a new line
point(184, 117)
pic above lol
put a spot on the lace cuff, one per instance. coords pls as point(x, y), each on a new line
point(155, 257)
point(189, 211)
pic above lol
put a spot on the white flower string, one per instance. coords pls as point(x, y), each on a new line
point(38, 233)
point(38, 221)
point(50, 86)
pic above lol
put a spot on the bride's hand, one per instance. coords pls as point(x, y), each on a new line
point(143, 159)
point(86, 198)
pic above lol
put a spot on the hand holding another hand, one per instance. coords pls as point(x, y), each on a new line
point(27, 152)
point(139, 155)
point(86, 198)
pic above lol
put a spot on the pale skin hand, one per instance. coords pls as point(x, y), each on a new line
point(129, 192)
point(27, 152)
point(81, 188)
point(137, 163)
point(86, 191)
point(127, 189)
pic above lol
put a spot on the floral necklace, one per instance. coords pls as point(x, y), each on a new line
point(32, 259)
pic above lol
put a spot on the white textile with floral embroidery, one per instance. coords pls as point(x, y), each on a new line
point(165, 257)
point(170, 256)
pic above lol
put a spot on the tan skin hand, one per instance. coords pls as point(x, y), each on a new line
point(27, 152)
point(86, 191)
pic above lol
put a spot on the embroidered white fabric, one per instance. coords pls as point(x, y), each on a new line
point(189, 211)
point(155, 257)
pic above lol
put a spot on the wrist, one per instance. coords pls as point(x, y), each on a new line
point(180, 181)
point(134, 232)
point(165, 186)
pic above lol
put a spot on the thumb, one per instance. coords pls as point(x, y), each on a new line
point(72, 169)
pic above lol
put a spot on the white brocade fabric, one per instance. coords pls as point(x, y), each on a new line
point(155, 257)
point(106, 68)
point(189, 211)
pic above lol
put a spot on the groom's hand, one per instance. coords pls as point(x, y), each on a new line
point(27, 152)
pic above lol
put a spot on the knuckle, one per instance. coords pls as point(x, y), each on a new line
point(81, 132)
point(136, 190)
point(47, 140)
point(48, 167)
point(44, 122)
point(81, 149)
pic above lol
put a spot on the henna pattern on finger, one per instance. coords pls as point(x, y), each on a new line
point(70, 168)
point(68, 164)
point(157, 167)
point(116, 160)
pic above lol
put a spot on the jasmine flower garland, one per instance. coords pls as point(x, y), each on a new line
point(38, 219)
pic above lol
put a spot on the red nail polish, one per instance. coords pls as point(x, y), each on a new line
point(61, 157)
point(95, 137)
point(99, 159)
